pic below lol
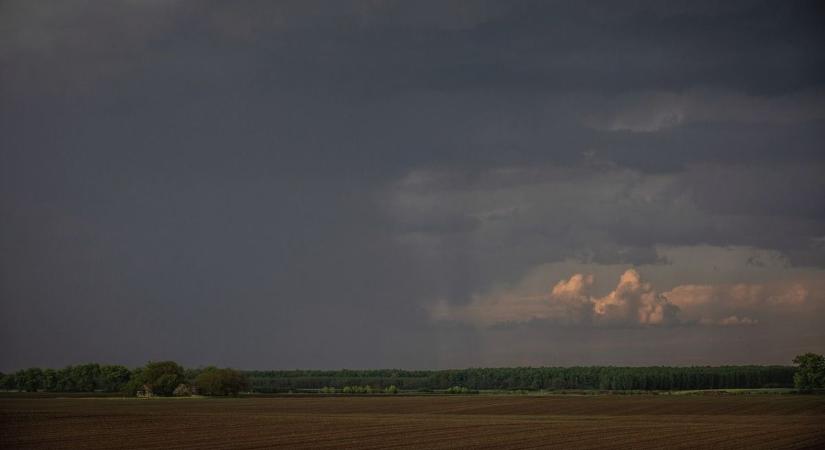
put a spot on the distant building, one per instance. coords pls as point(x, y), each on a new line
point(145, 392)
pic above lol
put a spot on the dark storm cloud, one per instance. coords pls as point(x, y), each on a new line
point(413, 83)
point(758, 47)
point(293, 183)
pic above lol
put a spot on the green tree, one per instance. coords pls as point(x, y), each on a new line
point(161, 377)
point(135, 383)
point(83, 377)
point(215, 381)
point(50, 380)
point(30, 380)
point(113, 378)
point(811, 372)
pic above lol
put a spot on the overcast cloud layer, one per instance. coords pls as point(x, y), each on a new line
point(411, 184)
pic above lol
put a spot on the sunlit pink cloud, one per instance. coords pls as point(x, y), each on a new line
point(635, 302)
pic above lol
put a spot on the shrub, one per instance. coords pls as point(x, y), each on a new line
point(183, 390)
point(358, 390)
point(460, 390)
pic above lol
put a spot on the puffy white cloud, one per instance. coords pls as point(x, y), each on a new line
point(633, 302)
point(570, 302)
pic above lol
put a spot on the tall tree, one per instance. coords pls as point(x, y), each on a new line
point(214, 381)
point(161, 377)
point(811, 372)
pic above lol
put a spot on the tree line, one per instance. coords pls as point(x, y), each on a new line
point(162, 378)
point(169, 378)
point(533, 378)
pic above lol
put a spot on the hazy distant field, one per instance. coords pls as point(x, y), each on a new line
point(755, 421)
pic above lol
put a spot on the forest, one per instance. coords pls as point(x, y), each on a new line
point(115, 378)
point(532, 378)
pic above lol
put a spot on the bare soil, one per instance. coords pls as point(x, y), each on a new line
point(760, 421)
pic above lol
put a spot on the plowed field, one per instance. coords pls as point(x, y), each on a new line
point(760, 421)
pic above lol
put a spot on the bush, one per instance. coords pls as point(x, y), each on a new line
point(183, 390)
point(358, 390)
point(391, 389)
point(460, 390)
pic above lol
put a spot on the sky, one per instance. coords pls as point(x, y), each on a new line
point(419, 184)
